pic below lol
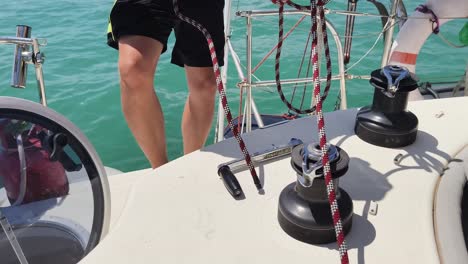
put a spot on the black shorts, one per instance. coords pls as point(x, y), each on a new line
point(156, 19)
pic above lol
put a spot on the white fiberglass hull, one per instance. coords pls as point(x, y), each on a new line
point(182, 213)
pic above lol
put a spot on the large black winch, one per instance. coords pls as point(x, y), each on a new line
point(304, 211)
point(386, 122)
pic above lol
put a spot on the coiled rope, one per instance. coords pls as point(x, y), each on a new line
point(281, 4)
point(317, 9)
point(221, 91)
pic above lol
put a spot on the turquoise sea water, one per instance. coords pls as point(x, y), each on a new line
point(82, 79)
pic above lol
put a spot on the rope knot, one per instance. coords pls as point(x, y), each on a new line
point(435, 20)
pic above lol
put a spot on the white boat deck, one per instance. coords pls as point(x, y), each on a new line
point(182, 213)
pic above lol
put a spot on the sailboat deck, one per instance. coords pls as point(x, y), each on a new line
point(182, 213)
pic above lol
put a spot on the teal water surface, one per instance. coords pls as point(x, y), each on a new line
point(82, 79)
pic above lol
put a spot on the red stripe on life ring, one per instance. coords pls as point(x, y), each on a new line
point(404, 57)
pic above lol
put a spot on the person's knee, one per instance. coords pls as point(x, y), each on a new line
point(134, 73)
point(138, 57)
point(203, 84)
point(204, 93)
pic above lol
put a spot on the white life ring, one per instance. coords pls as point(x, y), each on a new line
point(413, 34)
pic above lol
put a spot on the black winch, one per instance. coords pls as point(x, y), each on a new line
point(304, 211)
point(386, 122)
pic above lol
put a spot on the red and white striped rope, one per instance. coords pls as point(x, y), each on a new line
point(222, 93)
point(317, 9)
point(342, 247)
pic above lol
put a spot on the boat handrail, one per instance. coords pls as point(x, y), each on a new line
point(247, 83)
point(27, 51)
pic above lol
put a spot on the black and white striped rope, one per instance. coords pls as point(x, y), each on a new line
point(288, 104)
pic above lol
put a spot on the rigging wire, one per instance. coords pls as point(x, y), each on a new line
point(371, 48)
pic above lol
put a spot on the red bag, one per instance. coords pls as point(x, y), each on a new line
point(45, 179)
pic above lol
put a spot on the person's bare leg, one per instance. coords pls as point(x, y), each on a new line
point(138, 58)
point(199, 107)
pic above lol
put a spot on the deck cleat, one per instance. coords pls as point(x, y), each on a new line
point(386, 122)
point(303, 210)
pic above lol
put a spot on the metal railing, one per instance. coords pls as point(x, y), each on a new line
point(27, 51)
point(246, 82)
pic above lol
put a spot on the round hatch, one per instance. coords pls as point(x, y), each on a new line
point(54, 195)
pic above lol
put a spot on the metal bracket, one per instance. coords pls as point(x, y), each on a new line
point(313, 152)
point(390, 72)
point(10, 234)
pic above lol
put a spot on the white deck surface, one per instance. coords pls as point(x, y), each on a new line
point(182, 213)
